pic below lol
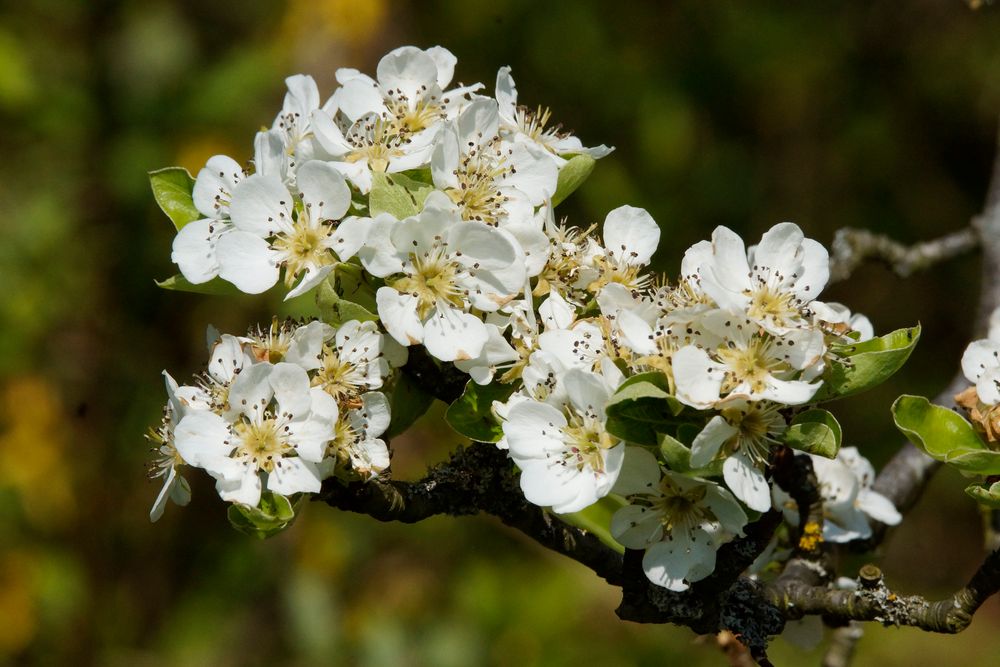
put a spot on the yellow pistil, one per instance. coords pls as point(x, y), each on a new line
point(261, 444)
point(303, 248)
point(477, 193)
point(434, 277)
point(778, 307)
point(586, 440)
point(751, 364)
point(335, 375)
point(681, 509)
point(423, 114)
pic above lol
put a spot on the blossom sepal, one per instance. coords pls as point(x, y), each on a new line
point(815, 431)
point(985, 494)
point(860, 366)
point(172, 188)
point(471, 414)
point(272, 515)
point(944, 435)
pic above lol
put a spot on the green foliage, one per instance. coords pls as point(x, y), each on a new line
point(642, 408)
point(471, 414)
point(397, 194)
point(334, 309)
point(596, 519)
point(572, 176)
point(858, 367)
point(944, 435)
point(172, 187)
point(215, 286)
point(986, 494)
point(815, 431)
point(275, 514)
point(407, 403)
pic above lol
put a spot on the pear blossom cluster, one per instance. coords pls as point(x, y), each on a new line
point(280, 409)
point(436, 201)
point(981, 367)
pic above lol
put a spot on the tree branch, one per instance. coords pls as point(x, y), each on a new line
point(852, 247)
point(478, 478)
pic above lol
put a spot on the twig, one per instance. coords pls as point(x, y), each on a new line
point(852, 247)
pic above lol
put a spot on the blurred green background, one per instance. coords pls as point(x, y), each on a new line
point(879, 115)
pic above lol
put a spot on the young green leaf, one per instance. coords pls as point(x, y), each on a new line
point(944, 435)
point(596, 519)
point(641, 408)
point(215, 286)
point(572, 175)
point(335, 310)
point(816, 432)
point(471, 414)
point(396, 194)
point(172, 190)
point(861, 366)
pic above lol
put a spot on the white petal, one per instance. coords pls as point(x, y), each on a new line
point(445, 61)
point(631, 235)
point(587, 392)
point(245, 489)
point(324, 190)
point(214, 185)
point(294, 475)
point(640, 473)
point(674, 563)
point(227, 359)
point(879, 508)
point(200, 439)
point(247, 261)
point(306, 345)
point(698, 378)
point(533, 430)
point(450, 334)
point(375, 410)
point(311, 277)
point(988, 387)
point(405, 70)
point(747, 482)
point(636, 526)
point(350, 236)
point(711, 438)
point(549, 484)
point(193, 250)
point(506, 94)
point(979, 356)
point(291, 389)
point(398, 313)
point(261, 205)
point(251, 391)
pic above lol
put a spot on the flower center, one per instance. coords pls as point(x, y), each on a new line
point(752, 364)
point(407, 119)
point(586, 441)
point(303, 248)
point(681, 509)
point(479, 173)
point(337, 377)
point(770, 304)
point(262, 445)
point(757, 428)
point(376, 141)
point(533, 122)
point(434, 277)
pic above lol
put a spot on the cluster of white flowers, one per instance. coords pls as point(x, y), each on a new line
point(281, 409)
point(981, 367)
point(479, 273)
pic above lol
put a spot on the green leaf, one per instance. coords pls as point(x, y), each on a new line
point(944, 435)
point(274, 514)
point(408, 402)
point(334, 308)
point(172, 190)
point(641, 408)
point(572, 175)
point(596, 519)
point(397, 195)
point(861, 366)
point(215, 286)
point(816, 432)
point(987, 495)
point(675, 454)
point(471, 414)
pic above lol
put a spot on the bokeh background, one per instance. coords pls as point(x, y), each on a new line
point(878, 115)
